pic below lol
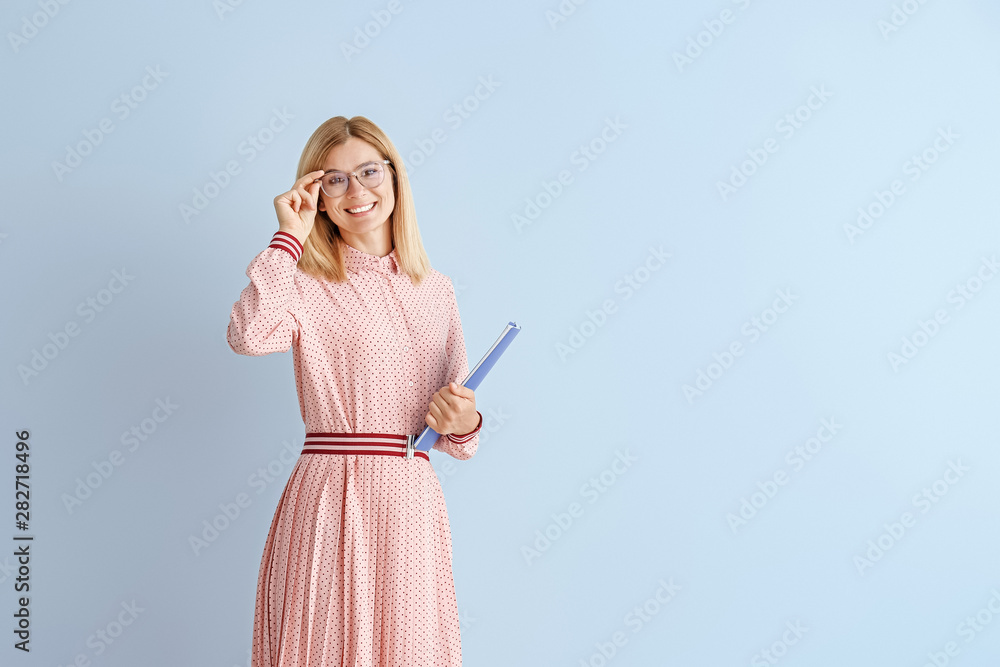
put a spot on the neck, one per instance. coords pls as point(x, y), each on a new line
point(376, 242)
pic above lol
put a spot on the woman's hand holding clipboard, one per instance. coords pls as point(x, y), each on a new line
point(429, 436)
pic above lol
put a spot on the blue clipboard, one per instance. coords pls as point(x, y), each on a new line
point(429, 436)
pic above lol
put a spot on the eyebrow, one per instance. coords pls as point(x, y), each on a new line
point(343, 171)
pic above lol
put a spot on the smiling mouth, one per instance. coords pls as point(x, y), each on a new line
point(361, 209)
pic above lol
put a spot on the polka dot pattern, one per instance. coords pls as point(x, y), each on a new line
point(356, 567)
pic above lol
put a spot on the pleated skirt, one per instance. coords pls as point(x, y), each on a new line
point(356, 570)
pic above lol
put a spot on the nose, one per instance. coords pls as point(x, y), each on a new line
point(352, 181)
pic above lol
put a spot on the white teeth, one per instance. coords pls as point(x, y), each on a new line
point(361, 209)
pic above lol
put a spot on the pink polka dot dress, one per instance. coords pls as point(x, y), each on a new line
point(356, 570)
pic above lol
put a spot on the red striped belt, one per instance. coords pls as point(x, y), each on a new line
point(384, 444)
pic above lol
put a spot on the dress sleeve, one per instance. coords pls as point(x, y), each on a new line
point(460, 446)
point(266, 318)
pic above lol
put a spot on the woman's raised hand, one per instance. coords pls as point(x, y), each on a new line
point(296, 208)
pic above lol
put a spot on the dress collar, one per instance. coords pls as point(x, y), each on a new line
point(356, 261)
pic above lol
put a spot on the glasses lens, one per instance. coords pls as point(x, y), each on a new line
point(334, 184)
point(371, 174)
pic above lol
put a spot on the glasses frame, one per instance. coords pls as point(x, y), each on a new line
point(349, 174)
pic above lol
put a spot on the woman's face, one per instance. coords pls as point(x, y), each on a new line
point(343, 210)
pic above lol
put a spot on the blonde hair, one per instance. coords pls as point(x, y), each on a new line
point(322, 252)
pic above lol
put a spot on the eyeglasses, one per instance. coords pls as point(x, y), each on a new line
point(335, 183)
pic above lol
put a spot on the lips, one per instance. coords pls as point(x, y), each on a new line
point(357, 210)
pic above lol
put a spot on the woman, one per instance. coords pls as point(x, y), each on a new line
point(357, 564)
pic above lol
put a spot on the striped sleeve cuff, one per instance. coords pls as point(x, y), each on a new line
point(286, 241)
point(465, 437)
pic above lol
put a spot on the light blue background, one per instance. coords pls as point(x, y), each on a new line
point(561, 420)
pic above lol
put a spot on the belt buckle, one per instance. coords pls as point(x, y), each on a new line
point(409, 445)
